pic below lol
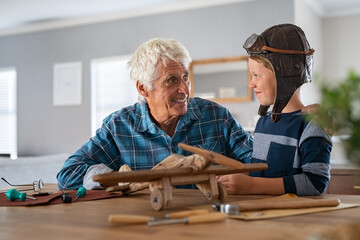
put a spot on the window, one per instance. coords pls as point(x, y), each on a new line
point(112, 88)
point(8, 112)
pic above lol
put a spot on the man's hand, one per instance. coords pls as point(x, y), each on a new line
point(311, 109)
point(321, 116)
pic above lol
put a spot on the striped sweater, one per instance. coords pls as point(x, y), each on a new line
point(294, 149)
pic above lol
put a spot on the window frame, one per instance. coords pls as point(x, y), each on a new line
point(126, 57)
point(12, 151)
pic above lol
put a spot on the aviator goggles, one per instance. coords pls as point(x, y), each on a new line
point(256, 44)
point(36, 186)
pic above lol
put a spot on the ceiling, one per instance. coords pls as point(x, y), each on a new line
point(17, 16)
point(329, 8)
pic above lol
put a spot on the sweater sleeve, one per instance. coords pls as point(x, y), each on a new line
point(315, 166)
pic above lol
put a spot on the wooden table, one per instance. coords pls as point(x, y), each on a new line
point(345, 179)
point(88, 220)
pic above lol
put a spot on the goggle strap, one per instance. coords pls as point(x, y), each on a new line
point(311, 52)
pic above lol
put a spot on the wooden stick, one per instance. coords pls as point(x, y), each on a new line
point(249, 206)
point(213, 156)
point(178, 176)
point(140, 175)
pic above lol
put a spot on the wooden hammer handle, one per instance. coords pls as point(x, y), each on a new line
point(250, 206)
point(187, 213)
point(206, 218)
point(128, 219)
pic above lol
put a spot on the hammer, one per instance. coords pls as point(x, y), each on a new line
point(235, 209)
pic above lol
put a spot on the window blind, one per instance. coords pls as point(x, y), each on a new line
point(112, 88)
point(8, 112)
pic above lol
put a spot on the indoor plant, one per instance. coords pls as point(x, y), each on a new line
point(342, 102)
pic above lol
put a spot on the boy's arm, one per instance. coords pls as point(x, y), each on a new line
point(244, 184)
point(267, 185)
point(315, 149)
point(315, 166)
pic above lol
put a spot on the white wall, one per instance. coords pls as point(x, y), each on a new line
point(341, 38)
point(310, 21)
point(210, 32)
point(335, 40)
point(214, 32)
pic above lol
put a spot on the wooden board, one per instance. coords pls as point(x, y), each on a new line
point(277, 213)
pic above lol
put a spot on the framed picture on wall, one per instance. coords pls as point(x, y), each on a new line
point(67, 89)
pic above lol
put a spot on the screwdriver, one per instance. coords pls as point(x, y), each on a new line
point(14, 194)
point(80, 193)
point(203, 218)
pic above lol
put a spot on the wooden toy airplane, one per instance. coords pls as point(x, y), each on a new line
point(172, 172)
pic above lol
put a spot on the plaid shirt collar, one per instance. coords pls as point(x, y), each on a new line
point(144, 123)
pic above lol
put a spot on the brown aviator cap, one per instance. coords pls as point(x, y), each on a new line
point(288, 50)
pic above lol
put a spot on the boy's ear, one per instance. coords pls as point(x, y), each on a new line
point(141, 89)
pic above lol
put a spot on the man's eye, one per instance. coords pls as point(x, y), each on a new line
point(171, 80)
point(186, 78)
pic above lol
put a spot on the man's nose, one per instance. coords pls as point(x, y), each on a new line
point(184, 86)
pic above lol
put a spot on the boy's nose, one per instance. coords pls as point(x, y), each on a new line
point(252, 84)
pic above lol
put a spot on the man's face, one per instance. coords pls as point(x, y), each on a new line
point(263, 82)
point(170, 95)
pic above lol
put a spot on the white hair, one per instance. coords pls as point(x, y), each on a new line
point(147, 55)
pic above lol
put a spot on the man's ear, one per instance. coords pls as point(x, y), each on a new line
point(141, 89)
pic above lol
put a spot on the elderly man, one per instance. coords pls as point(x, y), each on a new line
point(144, 134)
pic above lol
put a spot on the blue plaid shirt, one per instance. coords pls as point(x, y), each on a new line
point(128, 136)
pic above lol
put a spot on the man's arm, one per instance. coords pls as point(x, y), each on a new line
point(321, 116)
point(97, 156)
point(239, 142)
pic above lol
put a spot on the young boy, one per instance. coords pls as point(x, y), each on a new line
point(297, 151)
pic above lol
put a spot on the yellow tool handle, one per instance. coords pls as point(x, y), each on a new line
point(289, 204)
point(213, 156)
point(128, 219)
point(206, 218)
point(188, 213)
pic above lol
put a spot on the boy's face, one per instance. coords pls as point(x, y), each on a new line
point(263, 82)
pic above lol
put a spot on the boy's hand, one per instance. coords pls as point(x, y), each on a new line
point(243, 184)
point(236, 183)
